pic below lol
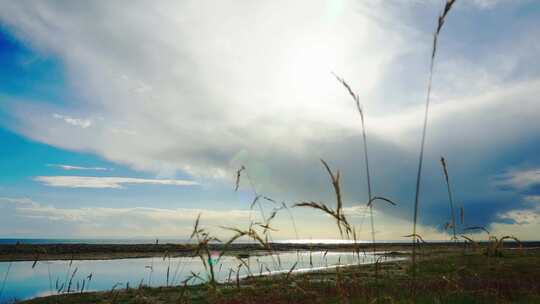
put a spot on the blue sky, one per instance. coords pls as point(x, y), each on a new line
point(131, 126)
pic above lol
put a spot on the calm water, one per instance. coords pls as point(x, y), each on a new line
point(45, 278)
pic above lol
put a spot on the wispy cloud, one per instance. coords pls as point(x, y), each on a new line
point(152, 222)
point(70, 167)
point(79, 122)
point(519, 179)
point(101, 221)
point(27, 207)
point(521, 217)
point(18, 202)
point(106, 182)
point(523, 222)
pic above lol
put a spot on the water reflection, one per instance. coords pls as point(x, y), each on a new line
point(51, 277)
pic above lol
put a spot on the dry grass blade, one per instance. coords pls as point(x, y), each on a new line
point(314, 205)
point(246, 265)
point(469, 239)
point(338, 213)
point(195, 276)
point(202, 250)
point(256, 237)
point(342, 222)
point(475, 244)
point(36, 260)
point(335, 184)
point(71, 279)
point(462, 215)
point(251, 233)
point(451, 200)
point(416, 236)
point(380, 198)
point(255, 200)
point(445, 169)
point(351, 92)
point(442, 17)
point(113, 288)
point(269, 199)
point(509, 237)
point(196, 227)
point(238, 174)
point(447, 225)
point(6, 275)
point(291, 270)
point(238, 276)
point(478, 228)
point(226, 245)
point(273, 214)
point(266, 228)
point(291, 217)
point(266, 225)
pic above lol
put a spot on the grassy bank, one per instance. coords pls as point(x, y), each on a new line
point(51, 252)
point(442, 276)
point(32, 252)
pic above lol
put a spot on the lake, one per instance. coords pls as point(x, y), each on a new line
point(48, 277)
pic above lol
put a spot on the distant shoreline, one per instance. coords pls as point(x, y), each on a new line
point(68, 251)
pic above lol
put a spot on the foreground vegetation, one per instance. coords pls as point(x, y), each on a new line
point(442, 276)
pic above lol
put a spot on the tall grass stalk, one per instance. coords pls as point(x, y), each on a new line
point(366, 157)
point(291, 217)
point(442, 18)
point(452, 212)
point(256, 198)
point(256, 195)
point(462, 215)
point(6, 275)
point(49, 275)
point(203, 251)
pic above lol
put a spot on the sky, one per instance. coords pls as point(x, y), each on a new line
point(129, 118)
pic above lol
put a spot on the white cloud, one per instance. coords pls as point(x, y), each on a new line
point(178, 222)
point(207, 92)
point(101, 221)
point(525, 222)
point(520, 179)
point(488, 4)
point(106, 182)
point(70, 167)
point(89, 215)
point(210, 95)
point(213, 93)
point(78, 122)
point(532, 198)
point(18, 202)
point(521, 217)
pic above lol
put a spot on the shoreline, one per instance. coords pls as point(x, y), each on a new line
point(48, 252)
point(442, 274)
point(247, 279)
